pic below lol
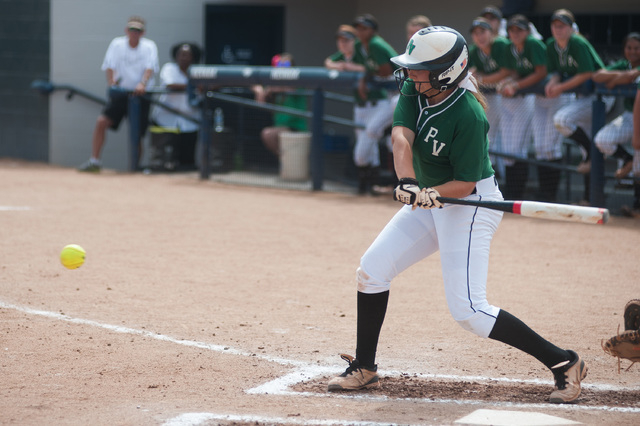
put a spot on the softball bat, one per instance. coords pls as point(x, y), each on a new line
point(539, 209)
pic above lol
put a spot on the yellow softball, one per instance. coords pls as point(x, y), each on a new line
point(72, 256)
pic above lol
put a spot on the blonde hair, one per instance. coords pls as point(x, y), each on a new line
point(478, 94)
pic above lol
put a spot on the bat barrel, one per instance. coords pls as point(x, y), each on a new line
point(539, 209)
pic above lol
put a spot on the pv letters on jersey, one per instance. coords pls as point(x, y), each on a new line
point(431, 138)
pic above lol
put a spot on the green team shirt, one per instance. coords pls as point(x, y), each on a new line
point(380, 53)
point(534, 54)
point(488, 64)
point(287, 120)
point(579, 56)
point(623, 65)
point(451, 140)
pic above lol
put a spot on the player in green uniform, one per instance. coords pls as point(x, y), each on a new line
point(372, 103)
point(440, 146)
point(634, 210)
point(571, 62)
point(611, 139)
point(526, 112)
point(487, 56)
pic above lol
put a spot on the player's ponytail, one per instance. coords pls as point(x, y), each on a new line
point(477, 93)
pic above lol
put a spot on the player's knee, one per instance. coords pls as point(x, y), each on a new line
point(479, 320)
point(479, 324)
point(366, 283)
point(564, 125)
point(103, 122)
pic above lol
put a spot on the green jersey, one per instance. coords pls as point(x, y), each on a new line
point(294, 101)
point(579, 56)
point(524, 63)
point(380, 52)
point(623, 65)
point(488, 64)
point(451, 140)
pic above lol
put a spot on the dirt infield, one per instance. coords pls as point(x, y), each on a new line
point(205, 303)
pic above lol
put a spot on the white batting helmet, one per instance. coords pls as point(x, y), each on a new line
point(442, 51)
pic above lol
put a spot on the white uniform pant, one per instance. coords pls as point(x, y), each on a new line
point(493, 117)
point(618, 132)
point(547, 140)
point(515, 126)
point(579, 113)
point(463, 236)
point(375, 118)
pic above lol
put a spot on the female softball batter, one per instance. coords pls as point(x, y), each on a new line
point(440, 145)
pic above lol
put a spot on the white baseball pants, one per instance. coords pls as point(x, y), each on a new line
point(463, 236)
point(618, 132)
point(366, 151)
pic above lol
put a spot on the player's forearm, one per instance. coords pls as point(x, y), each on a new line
point(146, 76)
point(575, 81)
point(455, 189)
point(402, 139)
point(534, 78)
point(603, 76)
point(495, 77)
point(110, 80)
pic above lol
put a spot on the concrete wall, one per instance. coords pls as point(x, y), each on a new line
point(82, 29)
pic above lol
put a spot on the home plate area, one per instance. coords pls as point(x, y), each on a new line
point(409, 386)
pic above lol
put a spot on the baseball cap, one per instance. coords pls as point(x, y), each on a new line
point(519, 21)
point(491, 10)
point(564, 16)
point(482, 23)
point(136, 23)
point(366, 20)
point(346, 31)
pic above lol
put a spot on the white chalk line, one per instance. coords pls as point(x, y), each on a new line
point(14, 208)
point(192, 419)
point(305, 371)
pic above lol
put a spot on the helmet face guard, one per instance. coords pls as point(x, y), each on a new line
point(440, 50)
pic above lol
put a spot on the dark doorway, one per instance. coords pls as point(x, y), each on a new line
point(244, 35)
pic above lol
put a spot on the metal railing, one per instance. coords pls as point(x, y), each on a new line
point(317, 116)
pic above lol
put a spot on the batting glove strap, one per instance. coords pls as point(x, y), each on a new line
point(428, 199)
point(407, 191)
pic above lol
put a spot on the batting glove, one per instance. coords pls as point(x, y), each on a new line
point(428, 199)
point(407, 192)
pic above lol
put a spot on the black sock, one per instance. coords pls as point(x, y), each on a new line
point(510, 330)
point(371, 311)
point(583, 140)
point(622, 154)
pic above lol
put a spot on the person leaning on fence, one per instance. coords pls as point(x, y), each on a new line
point(634, 210)
point(611, 139)
point(372, 103)
point(413, 25)
point(342, 60)
point(173, 76)
point(487, 56)
point(522, 116)
point(571, 62)
point(285, 97)
point(129, 64)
